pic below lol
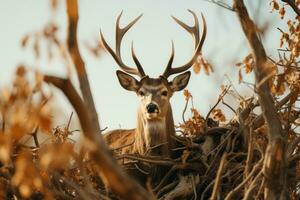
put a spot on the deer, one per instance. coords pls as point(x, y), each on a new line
point(155, 128)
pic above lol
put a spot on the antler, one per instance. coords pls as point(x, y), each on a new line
point(194, 31)
point(120, 32)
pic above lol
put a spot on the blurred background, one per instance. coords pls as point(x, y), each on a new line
point(225, 46)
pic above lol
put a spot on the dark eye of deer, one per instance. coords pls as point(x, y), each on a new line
point(141, 93)
point(164, 93)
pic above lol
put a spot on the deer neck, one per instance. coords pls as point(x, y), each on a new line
point(154, 137)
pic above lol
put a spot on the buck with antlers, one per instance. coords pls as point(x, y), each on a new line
point(155, 124)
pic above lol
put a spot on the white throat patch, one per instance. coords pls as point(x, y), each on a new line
point(155, 132)
point(156, 126)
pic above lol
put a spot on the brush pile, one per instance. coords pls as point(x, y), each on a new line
point(210, 160)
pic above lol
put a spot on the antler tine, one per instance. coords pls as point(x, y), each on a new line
point(136, 61)
point(120, 32)
point(194, 31)
point(169, 66)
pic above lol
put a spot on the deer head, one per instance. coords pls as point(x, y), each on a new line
point(155, 121)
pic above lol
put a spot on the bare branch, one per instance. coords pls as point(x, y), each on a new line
point(261, 70)
point(275, 162)
point(72, 12)
point(221, 4)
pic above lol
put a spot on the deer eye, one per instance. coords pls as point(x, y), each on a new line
point(141, 93)
point(164, 93)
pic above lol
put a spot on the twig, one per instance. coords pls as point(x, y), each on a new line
point(292, 146)
point(104, 129)
point(260, 190)
point(122, 146)
point(207, 188)
point(216, 104)
point(141, 170)
point(35, 138)
point(249, 154)
point(249, 192)
point(167, 188)
point(214, 195)
point(238, 188)
point(184, 110)
point(164, 179)
point(221, 4)
point(69, 122)
point(222, 143)
point(156, 146)
point(194, 188)
point(293, 5)
point(244, 124)
point(228, 106)
point(148, 159)
point(259, 121)
point(183, 188)
point(286, 65)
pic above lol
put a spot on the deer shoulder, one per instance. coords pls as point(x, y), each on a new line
point(120, 140)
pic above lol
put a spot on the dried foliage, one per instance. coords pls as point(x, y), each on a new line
point(202, 63)
point(28, 165)
point(214, 158)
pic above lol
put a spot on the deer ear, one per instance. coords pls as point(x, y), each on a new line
point(180, 81)
point(127, 82)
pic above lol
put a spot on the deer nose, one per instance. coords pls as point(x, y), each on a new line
point(151, 108)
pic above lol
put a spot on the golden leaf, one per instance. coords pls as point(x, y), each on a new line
point(25, 190)
point(282, 12)
point(274, 5)
point(24, 41)
point(196, 68)
point(273, 88)
point(218, 115)
point(187, 94)
point(248, 68)
point(281, 89)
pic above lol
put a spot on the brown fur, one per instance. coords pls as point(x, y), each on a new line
point(136, 141)
point(153, 134)
point(120, 139)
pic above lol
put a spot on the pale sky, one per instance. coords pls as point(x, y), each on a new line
point(152, 35)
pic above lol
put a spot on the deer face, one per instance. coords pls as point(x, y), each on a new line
point(154, 93)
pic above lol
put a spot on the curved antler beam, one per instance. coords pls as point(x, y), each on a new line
point(194, 31)
point(120, 32)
